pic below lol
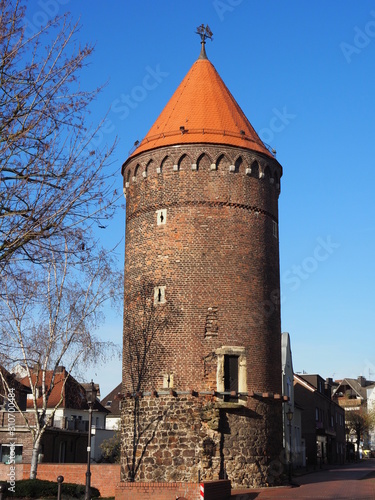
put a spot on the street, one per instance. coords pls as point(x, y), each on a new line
point(349, 482)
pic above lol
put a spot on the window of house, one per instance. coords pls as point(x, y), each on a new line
point(317, 414)
point(16, 450)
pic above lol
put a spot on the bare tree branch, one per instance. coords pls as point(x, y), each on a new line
point(48, 318)
point(52, 181)
point(142, 361)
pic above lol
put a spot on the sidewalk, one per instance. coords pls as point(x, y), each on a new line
point(301, 477)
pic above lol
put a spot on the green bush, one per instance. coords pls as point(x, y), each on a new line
point(36, 488)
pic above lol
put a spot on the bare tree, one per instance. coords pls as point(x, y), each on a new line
point(52, 182)
point(144, 320)
point(360, 422)
point(48, 317)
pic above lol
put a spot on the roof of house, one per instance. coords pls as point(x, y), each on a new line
point(355, 384)
point(112, 401)
point(12, 381)
point(302, 381)
point(72, 394)
point(286, 352)
point(202, 110)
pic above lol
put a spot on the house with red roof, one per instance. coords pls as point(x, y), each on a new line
point(66, 436)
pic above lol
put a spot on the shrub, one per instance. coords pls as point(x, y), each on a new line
point(36, 488)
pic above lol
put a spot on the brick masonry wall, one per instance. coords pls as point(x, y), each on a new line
point(22, 436)
point(158, 491)
point(218, 258)
point(105, 477)
point(214, 490)
point(217, 250)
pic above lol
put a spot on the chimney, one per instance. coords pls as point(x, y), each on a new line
point(328, 387)
point(362, 381)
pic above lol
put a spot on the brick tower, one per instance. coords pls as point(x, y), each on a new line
point(202, 368)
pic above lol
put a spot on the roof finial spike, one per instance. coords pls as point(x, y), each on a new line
point(204, 32)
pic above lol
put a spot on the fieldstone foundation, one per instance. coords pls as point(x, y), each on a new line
point(184, 438)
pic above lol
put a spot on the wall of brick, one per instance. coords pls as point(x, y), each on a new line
point(217, 250)
point(217, 256)
point(21, 436)
point(103, 476)
point(215, 490)
point(157, 491)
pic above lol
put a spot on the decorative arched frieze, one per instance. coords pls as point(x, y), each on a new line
point(184, 162)
point(163, 164)
point(127, 181)
point(223, 162)
point(265, 172)
point(204, 162)
point(136, 172)
point(254, 169)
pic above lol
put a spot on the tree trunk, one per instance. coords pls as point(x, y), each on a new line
point(358, 444)
point(34, 459)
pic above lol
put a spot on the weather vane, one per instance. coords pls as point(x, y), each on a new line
point(204, 32)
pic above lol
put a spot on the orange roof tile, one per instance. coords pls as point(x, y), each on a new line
point(203, 105)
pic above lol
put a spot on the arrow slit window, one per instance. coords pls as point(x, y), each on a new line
point(161, 217)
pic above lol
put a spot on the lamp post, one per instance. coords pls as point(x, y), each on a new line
point(289, 415)
point(91, 398)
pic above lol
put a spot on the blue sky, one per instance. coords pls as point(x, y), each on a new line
point(304, 74)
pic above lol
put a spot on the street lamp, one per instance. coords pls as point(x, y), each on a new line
point(289, 415)
point(91, 392)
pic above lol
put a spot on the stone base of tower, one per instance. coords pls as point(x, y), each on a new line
point(184, 438)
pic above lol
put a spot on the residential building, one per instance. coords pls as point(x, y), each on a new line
point(66, 437)
point(352, 395)
point(323, 421)
point(292, 429)
point(112, 403)
point(371, 407)
point(19, 391)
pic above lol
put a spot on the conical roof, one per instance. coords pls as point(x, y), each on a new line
point(202, 110)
